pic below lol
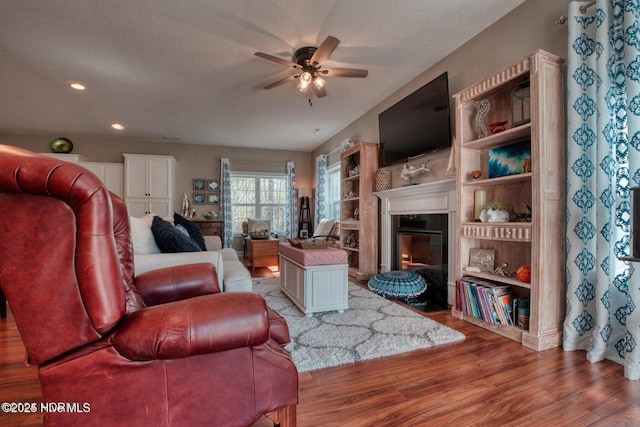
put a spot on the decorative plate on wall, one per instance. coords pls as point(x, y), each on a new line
point(61, 145)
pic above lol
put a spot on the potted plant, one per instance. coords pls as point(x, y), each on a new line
point(494, 212)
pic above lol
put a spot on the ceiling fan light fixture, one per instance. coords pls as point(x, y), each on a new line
point(304, 80)
point(308, 61)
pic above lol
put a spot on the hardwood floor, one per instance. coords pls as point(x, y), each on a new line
point(487, 380)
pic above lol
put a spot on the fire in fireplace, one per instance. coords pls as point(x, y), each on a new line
point(421, 245)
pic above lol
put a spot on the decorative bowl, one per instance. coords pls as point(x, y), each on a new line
point(61, 145)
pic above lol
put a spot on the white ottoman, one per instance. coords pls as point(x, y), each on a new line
point(315, 280)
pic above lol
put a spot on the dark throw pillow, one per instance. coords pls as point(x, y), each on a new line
point(192, 228)
point(169, 239)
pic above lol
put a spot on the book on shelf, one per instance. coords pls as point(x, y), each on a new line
point(505, 305)
point(520, 303)
point(485, 300)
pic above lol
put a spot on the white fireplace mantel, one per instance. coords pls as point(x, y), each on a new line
point(428, 198)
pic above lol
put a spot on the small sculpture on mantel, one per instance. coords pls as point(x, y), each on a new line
point(410, 171)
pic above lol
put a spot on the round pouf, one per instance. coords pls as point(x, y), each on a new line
point(398, 284)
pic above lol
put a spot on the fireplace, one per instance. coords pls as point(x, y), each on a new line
point(437, 199)
point(420, 244)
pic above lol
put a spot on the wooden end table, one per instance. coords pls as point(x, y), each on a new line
point(211, 228)
point(261, 252)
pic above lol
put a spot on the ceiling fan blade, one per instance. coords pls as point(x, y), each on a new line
point(324, 50)
point(344, 72)
point(320, 92)
point(277, 59)
point(281, 82)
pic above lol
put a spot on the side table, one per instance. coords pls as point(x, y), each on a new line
point(210, 228)
point(261, 252)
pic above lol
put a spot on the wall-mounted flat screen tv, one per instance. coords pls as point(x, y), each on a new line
point(416, 125)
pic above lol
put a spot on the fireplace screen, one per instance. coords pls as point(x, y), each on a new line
point(419, 250)
point(421, 245)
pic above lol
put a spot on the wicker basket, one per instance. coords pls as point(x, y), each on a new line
point(383, 180)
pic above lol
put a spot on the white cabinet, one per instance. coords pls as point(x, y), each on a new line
point(148, 184)
point(112, 174)
point(73, 158)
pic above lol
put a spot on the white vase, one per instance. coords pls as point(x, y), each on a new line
point(492, 215)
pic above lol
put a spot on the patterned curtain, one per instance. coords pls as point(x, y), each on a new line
point(321, 188)
point(225, 202)
point(603, 143)
point(291, 212)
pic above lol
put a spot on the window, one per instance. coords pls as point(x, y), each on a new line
point(332, 209)
point(258, 197)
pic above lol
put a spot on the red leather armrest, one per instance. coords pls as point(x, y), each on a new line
point(278, 329)
point(177, 283)
point(201, 325)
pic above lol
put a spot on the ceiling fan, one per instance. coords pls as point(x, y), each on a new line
point(307, 61)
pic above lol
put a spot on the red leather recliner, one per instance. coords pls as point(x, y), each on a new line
point(165, 348)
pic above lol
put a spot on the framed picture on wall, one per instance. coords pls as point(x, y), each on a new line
point(213, 198)
point(199, 198)
point(213, 185)
point(199, 184)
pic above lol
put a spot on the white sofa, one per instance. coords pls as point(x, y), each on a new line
point(233, 276)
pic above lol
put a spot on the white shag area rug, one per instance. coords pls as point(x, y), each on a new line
point(372, 327)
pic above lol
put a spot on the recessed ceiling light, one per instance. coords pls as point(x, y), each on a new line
point(117, 126)
point(77, 86)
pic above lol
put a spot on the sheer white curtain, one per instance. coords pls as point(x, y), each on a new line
point(603, 143)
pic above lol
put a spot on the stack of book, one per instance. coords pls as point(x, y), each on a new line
point(492, 302)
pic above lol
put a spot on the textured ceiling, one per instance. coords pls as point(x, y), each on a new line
point(185, 71)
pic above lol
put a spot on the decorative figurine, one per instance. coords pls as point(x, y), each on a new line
point(349, 241)
point(483, 109)
point(502, 270)
point(524, 273)
point(410, 171)
point(497, 127)
point(477, 174)
point(523, 216)
point(350, 195)
point(186, 206)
